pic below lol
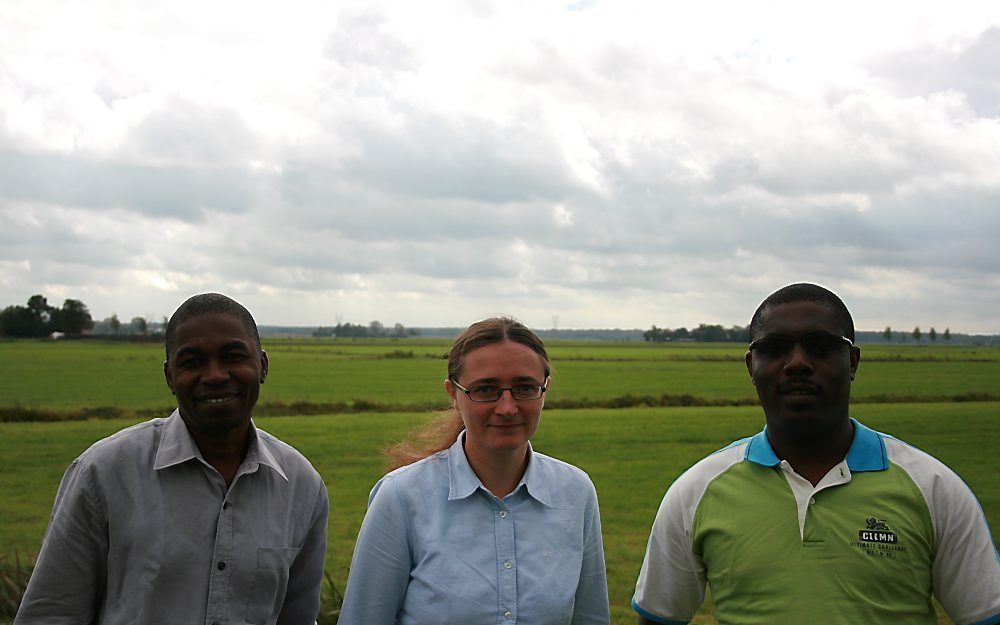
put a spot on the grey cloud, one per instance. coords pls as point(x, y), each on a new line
point(78, 180)
point(435, 157)
point(182, 132)
point(970, 69)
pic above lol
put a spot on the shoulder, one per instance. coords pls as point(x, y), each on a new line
point(133, 443)
point(693, 483)
point(417, 479)
point(918, 463)
point(942, 489)
point(560, 473)
point(295, 465)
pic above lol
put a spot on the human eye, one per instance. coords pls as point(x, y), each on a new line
point(187, 361)
point(821, 344)
point(526, 391)
point(773, 346)
point(485, 392)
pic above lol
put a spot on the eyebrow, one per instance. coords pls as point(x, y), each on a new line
point(235, 344)
point(517, 380)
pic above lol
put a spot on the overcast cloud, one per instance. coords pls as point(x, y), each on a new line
point(617, 164)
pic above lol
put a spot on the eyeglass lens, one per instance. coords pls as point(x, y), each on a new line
point(820, 344)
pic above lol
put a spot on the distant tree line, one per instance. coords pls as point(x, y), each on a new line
point(932, 334)
point(704, 333)
point(38, 318)
point(375, 329)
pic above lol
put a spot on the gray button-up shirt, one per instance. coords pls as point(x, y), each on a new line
point(144, 530)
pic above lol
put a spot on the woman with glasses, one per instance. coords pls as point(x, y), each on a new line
point(475, 526)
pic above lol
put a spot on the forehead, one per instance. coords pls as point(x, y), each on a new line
point(211, 329)
point(507, 359)
point(797, 318)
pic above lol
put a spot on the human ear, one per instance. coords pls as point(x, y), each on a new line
point(263, 366)
point(168, 376)
point(452, 392)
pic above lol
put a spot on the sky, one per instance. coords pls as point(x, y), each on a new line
point(582, 164)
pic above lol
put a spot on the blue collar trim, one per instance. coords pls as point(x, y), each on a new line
point(867, 451)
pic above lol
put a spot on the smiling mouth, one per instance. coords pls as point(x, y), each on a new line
point(215, 401)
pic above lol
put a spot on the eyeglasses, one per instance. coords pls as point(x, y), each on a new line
point(488, 392)
point(818, 344)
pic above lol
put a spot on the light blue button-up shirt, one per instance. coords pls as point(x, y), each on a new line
point(437, 547)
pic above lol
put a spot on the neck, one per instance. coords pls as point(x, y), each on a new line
point(814, 455)
point(224, 450)
point(500, 472)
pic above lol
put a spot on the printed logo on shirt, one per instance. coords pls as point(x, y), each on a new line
point(878, 532)
point(878, 540)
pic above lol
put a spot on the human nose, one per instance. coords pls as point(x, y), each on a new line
point(215, 372)
point(506, 404)
point(798, 359)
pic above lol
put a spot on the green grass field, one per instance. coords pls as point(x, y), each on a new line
point(74, 375)
point(644, 449)
point(631, 454)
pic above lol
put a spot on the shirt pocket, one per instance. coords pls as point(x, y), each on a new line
point(270, 581)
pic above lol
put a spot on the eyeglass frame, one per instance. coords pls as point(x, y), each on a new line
point(798, 341)
point(468, 392)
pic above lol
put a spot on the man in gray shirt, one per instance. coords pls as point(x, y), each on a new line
point(199, 518)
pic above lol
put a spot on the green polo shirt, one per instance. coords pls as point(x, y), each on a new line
point(882, 532)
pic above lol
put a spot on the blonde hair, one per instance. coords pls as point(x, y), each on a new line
point(440, 433)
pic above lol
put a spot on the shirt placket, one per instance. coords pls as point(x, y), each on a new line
point(503, 521)
point(219, 582)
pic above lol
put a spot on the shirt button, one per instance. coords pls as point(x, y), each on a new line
point(222, 566)
point(503, 514)
point(225, 505)
point(507, 564)
point(507, 614)
point(812, 500)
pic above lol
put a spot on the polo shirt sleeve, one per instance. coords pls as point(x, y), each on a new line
point(966, 567)
point(67, 584)
point(380, 569)
point(305, 577)
point(591, 604)
point(671, 583)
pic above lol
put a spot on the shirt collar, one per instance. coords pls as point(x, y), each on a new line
point(867, 451)
point(463, 481)
point(177, 446)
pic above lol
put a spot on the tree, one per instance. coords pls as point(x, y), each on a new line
point(18, 321)
point(116, 325)
point(399, 331)
point(947, 334)
point(138, 325)
point(932, 334)
point(887, 334)
point(37, 318)
point(376, 329)
point(75, 317)
point(41, 313)
point(916, 334)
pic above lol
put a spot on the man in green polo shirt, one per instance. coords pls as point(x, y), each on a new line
point(817, 519)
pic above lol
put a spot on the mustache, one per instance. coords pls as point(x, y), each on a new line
point(798, 386)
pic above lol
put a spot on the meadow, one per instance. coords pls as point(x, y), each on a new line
point(632, 454)
point(407, 375)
